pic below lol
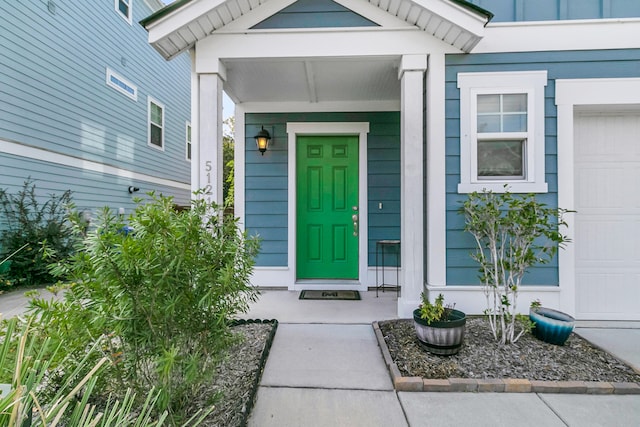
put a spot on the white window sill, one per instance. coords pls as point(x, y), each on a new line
point(499, 187)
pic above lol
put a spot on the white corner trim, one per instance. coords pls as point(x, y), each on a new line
point(436, 247)
point(361, 129)
point(27, 151)
point(239, 167)
point(569, 94)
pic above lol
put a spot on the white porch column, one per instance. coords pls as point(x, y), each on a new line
point(207, 152)
point(411, 74)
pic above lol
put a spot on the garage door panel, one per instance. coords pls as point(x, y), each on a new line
point(607, 227)
point(593, 248)
point(600, 295)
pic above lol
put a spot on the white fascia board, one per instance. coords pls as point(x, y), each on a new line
point(316, 44)
point(560, 35)
point(622, 91)
point(456, 14)
point(177, 19)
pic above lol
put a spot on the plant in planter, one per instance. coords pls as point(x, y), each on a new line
point(512, 233)
point(550, 325)
point(440, 328)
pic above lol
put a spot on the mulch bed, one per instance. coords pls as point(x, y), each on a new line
point(482, 358)
point(238, 376)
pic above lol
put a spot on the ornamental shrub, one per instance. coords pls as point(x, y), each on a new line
point(512, 234)
point(33, 234)
point(158, 298)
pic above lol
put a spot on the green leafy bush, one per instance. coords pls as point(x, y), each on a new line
point(158, 298)
point(33, 234)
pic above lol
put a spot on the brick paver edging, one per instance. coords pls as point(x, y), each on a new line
point(509, 385)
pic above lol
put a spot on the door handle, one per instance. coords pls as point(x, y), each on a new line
point(355, 219)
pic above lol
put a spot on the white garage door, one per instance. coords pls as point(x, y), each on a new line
point(607, 196)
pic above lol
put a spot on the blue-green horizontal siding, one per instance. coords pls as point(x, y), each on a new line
point(53, 92)
point(552, 10)
point(559, 65)
point(266, 179)
point(314, 14)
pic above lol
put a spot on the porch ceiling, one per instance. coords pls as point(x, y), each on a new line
point(312, 80)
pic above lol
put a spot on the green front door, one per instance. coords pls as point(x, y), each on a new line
point(327, 207)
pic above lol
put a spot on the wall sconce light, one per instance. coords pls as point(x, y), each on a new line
point(133, 189)
point(262, 140)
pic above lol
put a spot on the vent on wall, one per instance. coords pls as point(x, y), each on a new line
point(52, 7)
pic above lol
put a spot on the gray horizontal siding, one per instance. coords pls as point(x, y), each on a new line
point(552, 10)
point(559, 65)
point(266, 179)
point(53, 93)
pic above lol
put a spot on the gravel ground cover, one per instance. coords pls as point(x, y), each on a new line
point(482, 358)
point(236, 378)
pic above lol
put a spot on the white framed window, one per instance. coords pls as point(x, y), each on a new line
point(188, 141)
point(124, 9)
point(155, 124)
point(121, 84)
point(502, 131)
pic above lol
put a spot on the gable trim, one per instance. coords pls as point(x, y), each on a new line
point(181, 25)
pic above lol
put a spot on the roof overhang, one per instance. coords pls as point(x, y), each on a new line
point(180, 25)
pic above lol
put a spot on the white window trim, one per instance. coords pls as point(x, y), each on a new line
point(126, 18)
point(473, 84)
point(187, 142)
point(110, 73)
point(161, 105)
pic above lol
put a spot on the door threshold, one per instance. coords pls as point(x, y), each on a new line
point(327, 285)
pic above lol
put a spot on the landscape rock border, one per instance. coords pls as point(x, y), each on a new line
point(509, 385)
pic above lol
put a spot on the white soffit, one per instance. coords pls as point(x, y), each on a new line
point(179, 29)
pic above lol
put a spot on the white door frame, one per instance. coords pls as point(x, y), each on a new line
point(571, 93)
point(361, 129)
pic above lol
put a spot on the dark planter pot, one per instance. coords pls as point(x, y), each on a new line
point(443, 338)
point(551, 326)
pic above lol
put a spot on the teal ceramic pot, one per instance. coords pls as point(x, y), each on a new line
point(443, 338)
point(551, 326)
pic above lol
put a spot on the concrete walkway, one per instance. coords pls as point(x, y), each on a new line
point(325, 369)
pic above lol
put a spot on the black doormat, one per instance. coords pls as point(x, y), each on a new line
point(330, 295)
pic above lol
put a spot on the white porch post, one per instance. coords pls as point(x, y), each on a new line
point(411, 74)
point(208, 149)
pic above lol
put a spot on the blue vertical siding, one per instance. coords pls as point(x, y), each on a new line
point(551, 10)
point(266, 179)
point(461, 269)
point(314, 14)
point(53, 92)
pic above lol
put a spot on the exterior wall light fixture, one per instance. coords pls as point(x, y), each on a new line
point(262, 140)
point(133, 189)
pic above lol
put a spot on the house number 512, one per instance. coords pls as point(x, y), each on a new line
point(208, 188)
